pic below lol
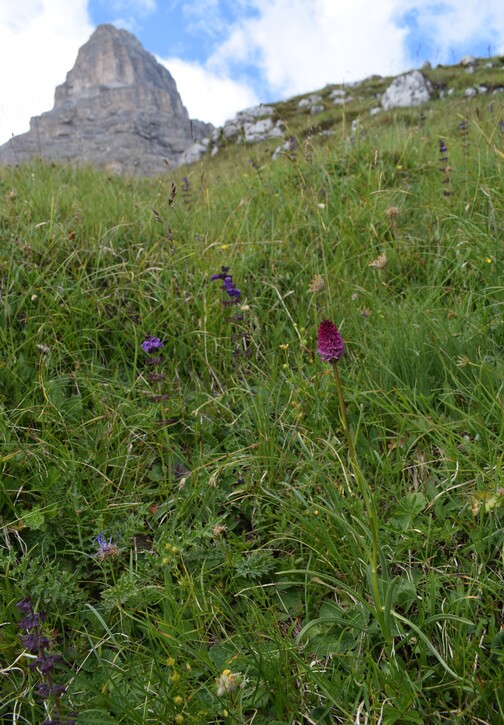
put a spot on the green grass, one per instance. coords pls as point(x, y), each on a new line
point(226, 482)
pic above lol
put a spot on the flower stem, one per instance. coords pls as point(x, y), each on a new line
point(344, 417)
point(370, 508)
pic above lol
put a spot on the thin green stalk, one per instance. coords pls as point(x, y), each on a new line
point(370, 509)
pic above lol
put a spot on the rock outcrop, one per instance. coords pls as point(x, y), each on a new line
point(118, 108)
point(249, 126)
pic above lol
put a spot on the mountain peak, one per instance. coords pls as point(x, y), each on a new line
point(118, 107)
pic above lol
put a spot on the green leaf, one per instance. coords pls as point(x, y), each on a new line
point(407, 511)
point(33, 519)
point(406, 595)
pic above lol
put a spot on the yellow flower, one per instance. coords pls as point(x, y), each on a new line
point(170, 661)
point(179, 718)
point(178, 700)
point(284, 347)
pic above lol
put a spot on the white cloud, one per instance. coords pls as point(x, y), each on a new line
point(206, 95)
point(300, 46)
point(458, 24)
point(39, 41)
point(141, 7)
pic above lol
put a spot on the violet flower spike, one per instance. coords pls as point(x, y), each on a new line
point(330, 343)
point(221, 275)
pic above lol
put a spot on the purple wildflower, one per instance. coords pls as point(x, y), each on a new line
point(330, 343)
point(45, 663)
point(25, 605)
point(221, 275)
point(45, 690)
point(34, 641)
point(151, 343)
point(227, 284)
point(32, 620)
point(106, 549)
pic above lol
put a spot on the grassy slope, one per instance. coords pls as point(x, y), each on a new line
point(225, 480)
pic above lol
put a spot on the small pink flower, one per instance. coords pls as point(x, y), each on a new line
point(330, 343)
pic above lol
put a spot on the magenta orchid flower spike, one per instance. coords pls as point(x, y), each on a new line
point(330, 343)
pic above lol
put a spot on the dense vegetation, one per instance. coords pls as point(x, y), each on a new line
point(191, 519)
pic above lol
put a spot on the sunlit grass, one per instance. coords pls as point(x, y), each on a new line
point(219, 476)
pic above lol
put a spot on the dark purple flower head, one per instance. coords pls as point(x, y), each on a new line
point(46, 664)
point(227, 285)
point(32, 621)
point(45, 690)
point(25, 605)
point(151, 343)
point(330, 343)
point(34, 641)
point(221, 275)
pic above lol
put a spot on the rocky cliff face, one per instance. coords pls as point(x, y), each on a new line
point(118, 108)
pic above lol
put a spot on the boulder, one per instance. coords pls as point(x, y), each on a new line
point(409, 89)
point(193, 153)
point(468, 60)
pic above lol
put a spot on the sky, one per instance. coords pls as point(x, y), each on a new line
point(228, 55)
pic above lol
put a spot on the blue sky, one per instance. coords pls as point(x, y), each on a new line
point(226, 55)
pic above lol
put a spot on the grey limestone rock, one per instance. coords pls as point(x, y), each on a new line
point(313, 103)
point(194, 153)
point(409, 89)
point(468, 60)
point(118, 108)
point(249, 126)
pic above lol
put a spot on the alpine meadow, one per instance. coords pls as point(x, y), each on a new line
point(252, 427)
